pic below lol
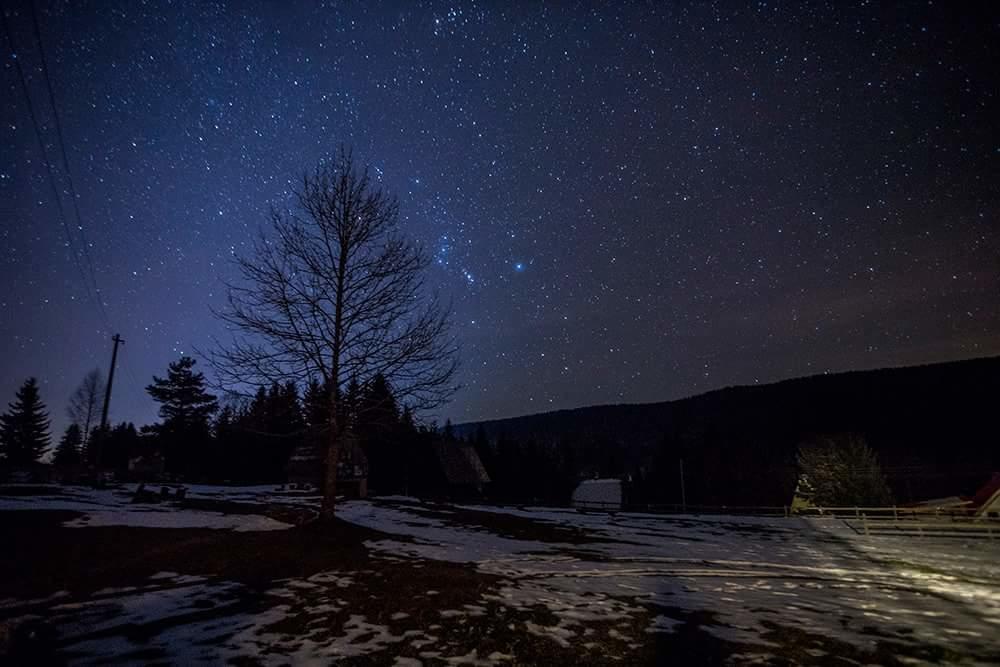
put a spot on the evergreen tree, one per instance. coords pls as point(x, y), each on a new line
point(254, 443)
point(224, 421)
point(316, 403)
point(375, 405)
point(120, 444)
point(257, 415)
point(350, 404)
point(69, 447)
point(284, 409)
point(843, 471)
point(183, 400)
point(24, 429)
point(378, 427)
point(185, 407)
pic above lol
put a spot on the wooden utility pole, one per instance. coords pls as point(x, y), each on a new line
point(107, 402)
point(111, 378)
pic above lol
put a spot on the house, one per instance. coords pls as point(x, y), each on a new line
point(352, 471)
point(459, 464)
point(600, 494)
point(987, 500)
point(307, 465)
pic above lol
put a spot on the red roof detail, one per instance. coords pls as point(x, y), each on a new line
point(987, 492)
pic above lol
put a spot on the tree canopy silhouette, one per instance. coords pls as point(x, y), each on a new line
point(24, 428)
point(186, 408)
point(85, 404)
point(336, 294)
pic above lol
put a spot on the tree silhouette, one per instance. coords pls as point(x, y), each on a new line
point(843, 471)
point(186, 408)
point(85, 404)
point(336, 294)
point(69, 449)
point(24, 428)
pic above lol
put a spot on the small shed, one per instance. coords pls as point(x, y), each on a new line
point(604, 494)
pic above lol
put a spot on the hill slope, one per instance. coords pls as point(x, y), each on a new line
point(934, 427)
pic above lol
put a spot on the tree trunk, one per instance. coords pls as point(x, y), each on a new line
point(332, 456)
point(330, 483)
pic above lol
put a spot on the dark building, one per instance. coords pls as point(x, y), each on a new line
point(307, 465)
point(462, 470)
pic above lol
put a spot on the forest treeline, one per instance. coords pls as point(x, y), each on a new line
point(240, 440)
point(931, 429)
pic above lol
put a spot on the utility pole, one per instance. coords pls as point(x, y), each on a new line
point(107, 402)
point(111, 378)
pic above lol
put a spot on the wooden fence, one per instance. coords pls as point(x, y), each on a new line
point(957, 522)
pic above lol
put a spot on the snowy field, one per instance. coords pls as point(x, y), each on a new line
point(452, 584)
point(940, 598)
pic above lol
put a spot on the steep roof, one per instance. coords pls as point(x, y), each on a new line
point(987, 499)
point(461, 464)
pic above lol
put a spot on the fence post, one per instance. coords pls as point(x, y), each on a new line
point(864, 523)
point(856, 512)
point(786, 511)
point(894, 517)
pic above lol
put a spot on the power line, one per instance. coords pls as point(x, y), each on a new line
point(45, 158)
point(69, 174)
point(128, 369)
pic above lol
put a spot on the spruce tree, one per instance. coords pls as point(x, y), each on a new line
point(186, 408)
point(316, 403)
point(183, 400)
point(24, 429)
point(843, 471)
point(69, 447)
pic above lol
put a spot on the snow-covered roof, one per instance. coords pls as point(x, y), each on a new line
point(598, 491)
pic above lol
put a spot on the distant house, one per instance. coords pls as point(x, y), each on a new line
point(987, 500)
point(307, 465)
point(461, 467)
point(598, 494)
point(352, 471)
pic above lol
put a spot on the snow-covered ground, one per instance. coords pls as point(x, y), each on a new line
point(114, 507)
point(211, 622)
point(756, 584)
point(751, 574)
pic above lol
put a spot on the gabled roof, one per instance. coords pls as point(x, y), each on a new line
point(460, 464)
point(988, 497)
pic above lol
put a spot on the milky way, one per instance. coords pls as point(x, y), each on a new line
point(624, 203)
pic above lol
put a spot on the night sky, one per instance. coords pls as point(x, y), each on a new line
point(623, 203)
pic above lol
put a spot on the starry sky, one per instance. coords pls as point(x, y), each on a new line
point(624, 202)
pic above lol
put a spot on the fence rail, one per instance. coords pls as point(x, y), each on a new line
point(956, 522)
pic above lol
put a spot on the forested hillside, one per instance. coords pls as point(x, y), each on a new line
point(935, 429)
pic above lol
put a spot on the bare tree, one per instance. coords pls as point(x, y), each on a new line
point(85, 403)
point(336, 293)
